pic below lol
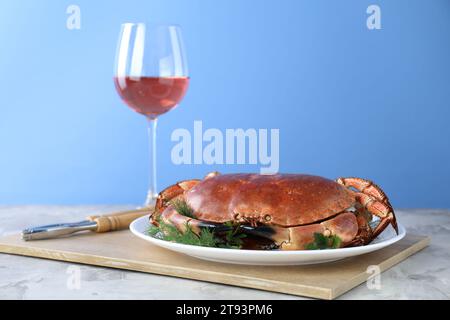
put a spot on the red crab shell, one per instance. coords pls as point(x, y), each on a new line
point(284, 200)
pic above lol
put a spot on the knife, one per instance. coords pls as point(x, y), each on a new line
point(110, 222)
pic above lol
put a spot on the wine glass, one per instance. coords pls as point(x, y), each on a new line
point(151, 77)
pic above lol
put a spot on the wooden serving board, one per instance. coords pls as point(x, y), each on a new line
point(122, 250)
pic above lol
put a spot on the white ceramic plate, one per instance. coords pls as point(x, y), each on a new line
point(140, 226)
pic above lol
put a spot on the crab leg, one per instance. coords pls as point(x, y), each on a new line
point(379, 209)
point(367, 187)
point(374, 200)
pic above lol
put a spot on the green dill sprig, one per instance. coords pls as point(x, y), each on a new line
point(183, 208)
point(322, 242)
point(231, 239)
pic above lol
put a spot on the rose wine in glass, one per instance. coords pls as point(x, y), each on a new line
point(151, 77)
point(152, 96)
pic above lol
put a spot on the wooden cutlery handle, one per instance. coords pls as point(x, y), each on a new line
point(119, 220)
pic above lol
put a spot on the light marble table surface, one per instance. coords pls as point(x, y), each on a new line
point(425, 275)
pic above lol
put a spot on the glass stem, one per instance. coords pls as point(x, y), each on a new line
point(152, 193)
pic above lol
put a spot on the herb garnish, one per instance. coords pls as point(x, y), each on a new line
point(231, 239)
point(324, 242)
point(183, 208)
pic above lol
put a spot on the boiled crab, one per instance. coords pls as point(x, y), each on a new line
point(288, 209)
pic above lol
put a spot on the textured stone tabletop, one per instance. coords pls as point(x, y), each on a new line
point(425, 275)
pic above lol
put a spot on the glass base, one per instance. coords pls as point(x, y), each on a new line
point(150, 201)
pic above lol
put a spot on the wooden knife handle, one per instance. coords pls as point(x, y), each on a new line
point(118, 220)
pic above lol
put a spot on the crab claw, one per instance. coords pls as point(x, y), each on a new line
point(344, 225)
point(173, 192)
point(172, 217)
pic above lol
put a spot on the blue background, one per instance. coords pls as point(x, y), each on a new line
point(348, 101)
